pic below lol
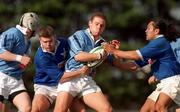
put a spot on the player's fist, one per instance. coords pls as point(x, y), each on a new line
point(25, 60)
point(152, 80)
point(115, 43)
point(109, 48)
point(85, 70)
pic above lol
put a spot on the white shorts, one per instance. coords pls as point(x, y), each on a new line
point(9, 85)
point(79, 86)
point(170, 86)
point(48, 91)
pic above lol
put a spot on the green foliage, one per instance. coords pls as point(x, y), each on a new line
point(126, 21)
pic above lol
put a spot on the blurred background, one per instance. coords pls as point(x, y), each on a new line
point(126, 22)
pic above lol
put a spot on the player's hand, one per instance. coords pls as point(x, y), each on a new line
point(116, 43)
point(152, 80)
point(109, 48)
point(85, 70)
point(25, 60)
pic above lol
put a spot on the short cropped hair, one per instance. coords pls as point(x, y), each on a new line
point(46, 31)
point(97, 14)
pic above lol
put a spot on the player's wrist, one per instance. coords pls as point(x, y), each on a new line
point(18, 58)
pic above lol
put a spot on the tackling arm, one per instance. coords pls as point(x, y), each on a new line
point(121, 54)
point(127, 66)
point(74, 74)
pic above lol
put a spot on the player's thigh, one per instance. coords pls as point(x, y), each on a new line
point(178, 110)
point(163, 101)
point(77, 106)
point(22, 101)
point(40, 103)
point(97, 101)
point(63, 101)
point(148, 106)
point(3, 107)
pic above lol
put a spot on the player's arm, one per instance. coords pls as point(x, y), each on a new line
point(121, 54)
point(8, 56)
point(5, 50)
point(127, 66)
point(85, 56)
point(74, 74)
point(152, 80)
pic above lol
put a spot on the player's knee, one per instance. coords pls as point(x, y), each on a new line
point(178, 110)
point(144, 109)
point(160, 107)
point(107, 108)
point(83, 110)
point(61, 109)
point(25, 109)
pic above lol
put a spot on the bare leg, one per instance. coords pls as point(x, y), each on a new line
point(40, 103)
point(149, 106)
point(98, 102)
point(78, 106)
point(63, 102)
point(178, 110)
point(22, 102)
point(163, 102)
point(3, 107)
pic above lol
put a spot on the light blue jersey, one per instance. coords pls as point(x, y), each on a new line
point(176, 48)
point(13, 41)
point(79, 41)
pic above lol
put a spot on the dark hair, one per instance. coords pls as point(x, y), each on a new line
point(97, 14)
point(166, 28)
point(46, 31)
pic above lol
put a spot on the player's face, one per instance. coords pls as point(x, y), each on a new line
point(48, 43)
point(97, 26)
point(29, 33)
point(151, 31)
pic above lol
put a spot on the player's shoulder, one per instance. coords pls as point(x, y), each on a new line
point(79, 33)
point(12, 31)
point(62, 39)
point(63, 42)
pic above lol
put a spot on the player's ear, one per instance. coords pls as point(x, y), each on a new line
point(89, 23)
point(157, 31)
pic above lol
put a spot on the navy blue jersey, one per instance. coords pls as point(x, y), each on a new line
point(50, 66)
point(165, 64)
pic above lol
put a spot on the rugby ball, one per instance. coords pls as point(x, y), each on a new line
point(96, 63)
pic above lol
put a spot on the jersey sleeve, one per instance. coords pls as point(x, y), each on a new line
point(141, 63)
point(151, 50)
point(76, 43)
point(7, 42)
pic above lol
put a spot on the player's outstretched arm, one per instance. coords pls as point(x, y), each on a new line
point(126, 66)
point(121, 54)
